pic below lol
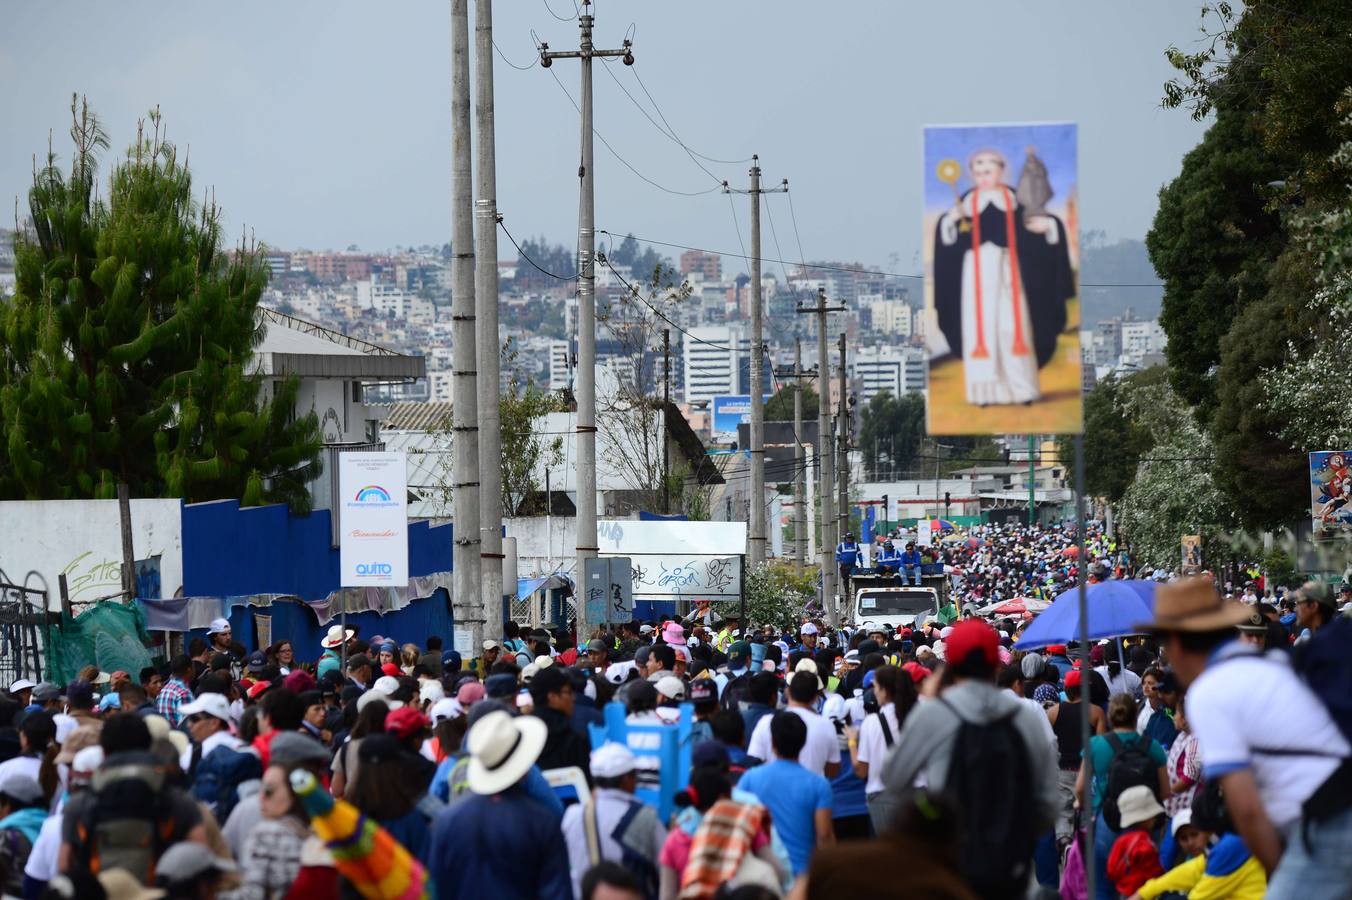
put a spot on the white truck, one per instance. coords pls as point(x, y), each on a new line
point(893, 605)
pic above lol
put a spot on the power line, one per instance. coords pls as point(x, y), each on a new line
point(605, 260)
point(850, 269)
point(559, 17)
point(527, 258)
point(622, 160)
point(503, 57)
point(666, 132)
point(726, 162)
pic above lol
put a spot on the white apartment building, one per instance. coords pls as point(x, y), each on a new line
point(891, 317)
point(1141, 338)
point(560, 372)
point(888, 369)
point(712, 356)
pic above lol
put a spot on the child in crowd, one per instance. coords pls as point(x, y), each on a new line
point(1135, 859)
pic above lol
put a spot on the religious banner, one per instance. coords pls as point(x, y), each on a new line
point(1192, 554)
point(1330, 492)
point(1001, 250)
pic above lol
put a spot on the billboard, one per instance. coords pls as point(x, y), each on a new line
point(727, 411)
point(1330, 493)
point(677, 560)
point(373, 541)
point(1001, 249)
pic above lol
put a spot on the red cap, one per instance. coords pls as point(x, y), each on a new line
point(906, 632)
point(1073, 678)
point(392, 670)
point(969, 636)
point(405, 721)
point(258, 688)
point(1056, 649)
point(917, 672)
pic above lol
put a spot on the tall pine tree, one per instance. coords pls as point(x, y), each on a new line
point(128, 342)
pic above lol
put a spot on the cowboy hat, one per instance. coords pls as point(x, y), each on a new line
point(502, 748)
point(336, 637)
point(1192, 604)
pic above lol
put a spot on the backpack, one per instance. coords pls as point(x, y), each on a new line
point(1324, 663)
point(990, 778)
point(735, 691)
point(1130, 766)
point(14, 850)
point(219, 775)
point(127, 823)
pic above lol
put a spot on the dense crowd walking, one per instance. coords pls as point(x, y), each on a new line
point(928, 760)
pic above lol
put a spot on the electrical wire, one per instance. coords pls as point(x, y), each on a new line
point(503, 56)
point(605, 260)
point(646, 93)
point(571, 18)
point(793, 215)
point(850, 269)
point(670, 135)
point(624, 161)
point(737, 225)
point(527, 258)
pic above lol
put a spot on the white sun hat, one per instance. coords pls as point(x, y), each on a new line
point(502, 748)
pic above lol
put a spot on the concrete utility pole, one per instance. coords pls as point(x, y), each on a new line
point(799, 463)
point(756, 531)
point(843, 464)
point(825, 481)
point(586, 305)
point(488, 346)
point(666, 401)
point(464, 415)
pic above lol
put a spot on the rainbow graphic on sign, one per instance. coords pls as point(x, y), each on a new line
point(373, 493)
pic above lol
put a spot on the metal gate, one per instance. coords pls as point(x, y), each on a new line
point(22, 611)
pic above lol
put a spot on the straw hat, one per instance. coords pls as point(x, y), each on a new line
point(502, 748)
point(1192, 604)
point(336, 637)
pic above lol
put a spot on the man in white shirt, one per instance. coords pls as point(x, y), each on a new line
point(1267, 738)
point(821, 753)
point(208, 719)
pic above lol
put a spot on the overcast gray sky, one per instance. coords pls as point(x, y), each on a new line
point(324, 123)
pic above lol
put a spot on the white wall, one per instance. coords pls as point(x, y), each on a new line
point(535, 555)
point(40, 539)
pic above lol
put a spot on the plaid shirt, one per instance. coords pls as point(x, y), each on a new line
point(173, 695)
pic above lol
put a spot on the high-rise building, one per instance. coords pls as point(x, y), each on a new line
point(712, 358)
point(560, 368)
point(709, 265)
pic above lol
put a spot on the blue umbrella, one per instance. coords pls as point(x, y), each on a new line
point(1115, 608)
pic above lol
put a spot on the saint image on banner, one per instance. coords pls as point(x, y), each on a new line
point(1001, 287)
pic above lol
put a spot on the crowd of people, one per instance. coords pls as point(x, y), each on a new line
point(931, 760)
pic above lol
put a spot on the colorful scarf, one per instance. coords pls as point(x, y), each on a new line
point(721, 842)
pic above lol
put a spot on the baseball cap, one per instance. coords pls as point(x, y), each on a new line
point(257, 660)
point(1073, 678)
point(612, 760)
point(808, 628)
point(972, 636)
point(491, 645)
point(218, 626)
point(671, 687)
point(405, 721)
point(739, 649)
point(709, 753)
point(596, 645)
point(22, 684)
point(702, 690)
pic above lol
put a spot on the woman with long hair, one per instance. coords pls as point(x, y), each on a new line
point(280, 857)
point(283, 656)
point(869, 744)
point(370, 720)
point(384, 791)
point(408, 658)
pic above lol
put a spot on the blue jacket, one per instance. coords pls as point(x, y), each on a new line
point(506, 846)
point(889, 557)
point(911, 558)
point(847, 553)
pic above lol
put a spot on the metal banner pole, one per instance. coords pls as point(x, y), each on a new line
point(1084, 664)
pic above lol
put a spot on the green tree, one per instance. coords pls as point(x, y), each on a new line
point(524, 446)
point(1212, 242)
point(1113, 443)
point(129, 339)
point(891, 430)
point(779, 408)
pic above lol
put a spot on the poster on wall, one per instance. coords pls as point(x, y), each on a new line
point(373, 539)
point(1192, 554)
point(1001, 250)
point(1330, 493)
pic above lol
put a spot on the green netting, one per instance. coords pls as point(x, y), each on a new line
point(110, 634)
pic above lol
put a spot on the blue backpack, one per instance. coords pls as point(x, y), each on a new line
point(218, 776)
